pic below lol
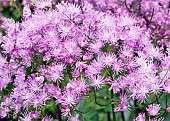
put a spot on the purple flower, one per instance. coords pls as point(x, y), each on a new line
point(74, 118)
point(63, 45)
point(168, 109)
point(94, 68)
point(123, 105)
point(4, 110)
point(47, 118)
point(153, 109)
point(108, 59)
point(157, 119)
point(34, 114)
point(140, 117)
point(97, 81)
point(66, 111)
point(26, 12)
point(43, 3)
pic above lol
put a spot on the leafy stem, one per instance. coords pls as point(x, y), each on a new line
point(16, 6)
point(95, 98)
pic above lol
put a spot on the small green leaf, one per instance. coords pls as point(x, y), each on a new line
point(8, 89)
point(55, 120)
point(11, 3)
point(108, 108)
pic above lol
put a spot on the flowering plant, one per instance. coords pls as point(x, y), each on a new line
point(64, 59)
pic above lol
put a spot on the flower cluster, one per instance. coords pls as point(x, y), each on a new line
point(61, 52)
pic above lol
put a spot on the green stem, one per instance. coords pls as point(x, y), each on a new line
point(166, 100)
point(127, 6)
point(58, 109)
point(156, 98)
point(112, 96)
point(15, 5)
point(79, 112)
point(136, 109)
point(95, 98)
point(151, 18)
point(147, 101)
point(165, 73)
point(108, 116)
point(114, 116)
point(58, 113)
point(123, 118)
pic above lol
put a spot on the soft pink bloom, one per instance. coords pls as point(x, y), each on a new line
point(140, 117)
point(47, 118)
point(123, 104)
point(97, 81)
point(168, 109)
point(108, 59)
point(43, 3)
point(157, 119)
point(74, 118)
point(153, 109)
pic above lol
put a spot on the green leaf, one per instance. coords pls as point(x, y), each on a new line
point(55, 120)
point(108, 108)
point(51, 106)
point(11, 3)
point(80, 105)
point(92, 114)
point(8, 89)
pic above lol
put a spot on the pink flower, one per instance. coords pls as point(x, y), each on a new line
point(123, 105)
point(140, 91)
point(66, 111)
point(77, 86)
point(26, 12)
point(68, 98)
point(94, 68)
point(97, 81)
point(34, 114)
point(47, 118)
point(115, 86)
point(153, 109)
point(64, 44)
point(117, 65)
point(65, 30)
point(140, 117)
point(4, 110)
point(168, 109)
point(74, 118)
point(157, 119)
point(166, 86)
point(43, 3)
point(96, 46)
point(108, 59)
point(88, 56)
point(25, 117)
point(55, 72)
point(53, 91)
